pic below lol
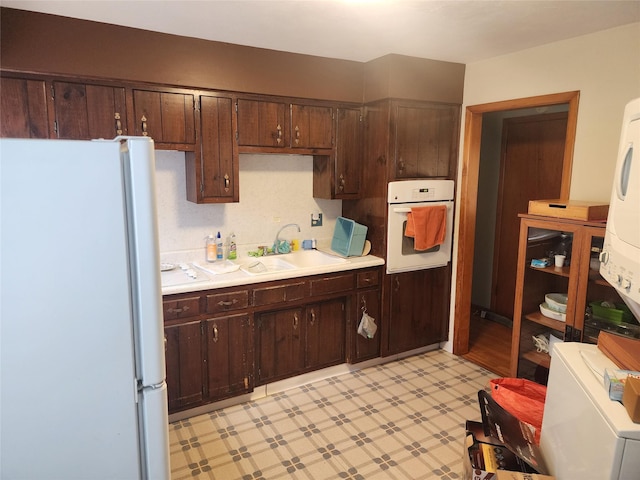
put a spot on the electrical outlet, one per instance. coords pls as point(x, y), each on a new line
point(316, 220)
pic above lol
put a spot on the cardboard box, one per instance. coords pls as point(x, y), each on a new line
point(500, 443)
point(484, 455)
point(615, 380)
point(571, 209)
point(505, 475)
point(631, 398)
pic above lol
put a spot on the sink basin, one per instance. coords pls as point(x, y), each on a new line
point(264, 265)
point(313, 258)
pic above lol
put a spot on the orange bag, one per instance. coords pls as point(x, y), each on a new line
point(522, 398)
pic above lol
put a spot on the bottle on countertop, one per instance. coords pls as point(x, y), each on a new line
point(219, 248)
point(232, 253)
point(211, 248)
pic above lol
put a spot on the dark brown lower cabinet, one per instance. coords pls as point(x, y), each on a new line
point(325, 334)
point(279, 344)
point(298, 340)
point(228, 355)
point(221, 343)
point(418, 309)
point(185, 368)
point(208, 360)
point(366, 348)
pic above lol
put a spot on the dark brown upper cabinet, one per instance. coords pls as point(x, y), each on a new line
point(261, 123)
point(23, 108)
point(272, 124)
point(84, 112)
point(339, 175)
point(166, 116)
point(311, 126)
point(426, 140)
point(212, 170)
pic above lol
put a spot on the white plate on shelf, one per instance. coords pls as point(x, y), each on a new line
point(547, 312)
point(165, 267)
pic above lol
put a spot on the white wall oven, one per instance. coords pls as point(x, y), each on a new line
point(430, 204)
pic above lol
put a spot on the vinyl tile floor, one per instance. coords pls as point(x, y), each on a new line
point(399, 420)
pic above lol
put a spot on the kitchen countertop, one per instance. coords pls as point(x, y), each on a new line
point(208, 281)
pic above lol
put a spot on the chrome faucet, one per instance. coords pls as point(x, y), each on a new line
point(276, 243)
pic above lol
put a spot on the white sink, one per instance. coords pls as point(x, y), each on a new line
point(313, 258)
point(265, 265)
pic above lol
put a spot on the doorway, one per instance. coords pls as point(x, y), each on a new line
point(469, 186)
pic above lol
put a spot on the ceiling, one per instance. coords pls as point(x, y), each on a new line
point(361, 30)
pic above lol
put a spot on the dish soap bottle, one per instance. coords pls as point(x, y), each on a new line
point(211, 248)
point(219, 248)
point(233, 254)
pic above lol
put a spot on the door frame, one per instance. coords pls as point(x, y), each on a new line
point(469, 192)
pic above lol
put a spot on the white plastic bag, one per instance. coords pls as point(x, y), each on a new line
point(367, 327)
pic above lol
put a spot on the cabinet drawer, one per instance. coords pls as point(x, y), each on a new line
point(181, 308)
point(278, 294)
point(225, 302)
point(368, 279)
point(339, 283)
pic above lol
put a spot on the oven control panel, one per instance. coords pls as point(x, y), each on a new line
point(409, 191)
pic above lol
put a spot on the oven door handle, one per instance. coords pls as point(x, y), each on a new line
point(401, 210)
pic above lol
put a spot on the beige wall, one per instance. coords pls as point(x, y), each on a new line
point(604, 67)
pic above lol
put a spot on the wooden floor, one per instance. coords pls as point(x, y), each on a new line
point(489, 345)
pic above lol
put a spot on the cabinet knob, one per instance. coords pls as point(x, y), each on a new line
point(143, 120)
point(296, 320)
point(215, 333)
point(226, 303)
point(278, 134)
point(297, 130)
point(227, 182)
point(116, 116)
point(178, 310)
point(313, 316)
point(342, 182)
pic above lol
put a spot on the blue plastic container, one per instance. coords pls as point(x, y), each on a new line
point(348, 238)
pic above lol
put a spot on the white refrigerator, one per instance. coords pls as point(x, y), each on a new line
point(82, 371)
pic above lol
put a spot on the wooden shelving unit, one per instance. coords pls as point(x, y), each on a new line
point(578, 280)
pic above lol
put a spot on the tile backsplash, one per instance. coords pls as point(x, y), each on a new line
point(274, 190)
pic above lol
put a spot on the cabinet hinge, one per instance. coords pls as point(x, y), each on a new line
point(53, 92)
point(361, 118)
point(196, 105)
point(236, 106)
point(55, 126)
point(237, 136)
point(202, 189)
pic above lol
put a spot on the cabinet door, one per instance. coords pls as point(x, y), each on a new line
point(365, 348)
point(185, 370)
point(261, 123)
point(167, 117)
point(85, 112)
point(325, 332)
point(418, 309)
point(219, 167)
point(311, 126)
point(279, 345)
point(426, 141)
point(535, 324)
point(228, 356)
point(23, 108)
point(349, 147)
